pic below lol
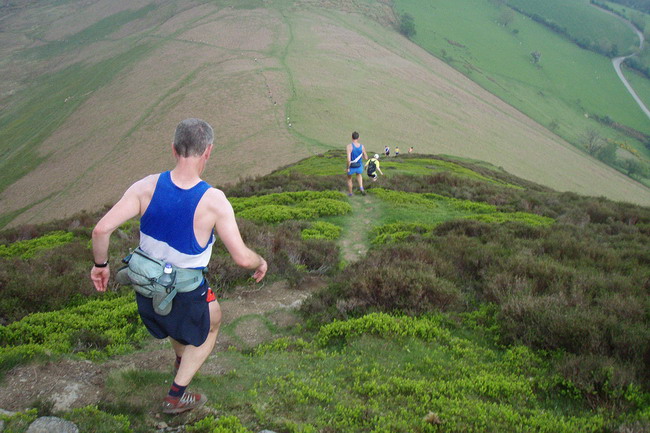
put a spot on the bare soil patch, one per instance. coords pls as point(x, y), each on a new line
point(74, 383)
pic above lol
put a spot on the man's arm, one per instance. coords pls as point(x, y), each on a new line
point(363, 149)
point(126, 208)
point(348, 151)
point(228, 231)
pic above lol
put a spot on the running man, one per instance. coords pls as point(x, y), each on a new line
point(180, 214)
point(356, 153)
point(372, 167)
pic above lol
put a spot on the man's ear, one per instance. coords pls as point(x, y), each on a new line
point(174, 151)
point(208, 151)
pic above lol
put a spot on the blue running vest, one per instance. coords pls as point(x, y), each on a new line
point(167, 226)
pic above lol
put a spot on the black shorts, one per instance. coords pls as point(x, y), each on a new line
point(187, 323)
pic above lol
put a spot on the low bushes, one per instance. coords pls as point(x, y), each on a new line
point(304, 205)
point(94, 330)
point(578, 290)
point(321, 230)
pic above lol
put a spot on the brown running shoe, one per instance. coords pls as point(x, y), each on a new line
point(189, 401)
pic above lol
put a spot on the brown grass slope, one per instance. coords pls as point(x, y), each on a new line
point(327, 66)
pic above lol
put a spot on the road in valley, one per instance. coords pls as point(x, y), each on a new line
point(618, 60)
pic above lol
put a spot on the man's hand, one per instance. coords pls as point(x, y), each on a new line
point(260, 271)
point(100, 277)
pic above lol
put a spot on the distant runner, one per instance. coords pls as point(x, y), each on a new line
point(356, 153)
point(372, 167)
point(387, 151)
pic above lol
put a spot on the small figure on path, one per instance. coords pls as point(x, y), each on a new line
point(356, 153)
point(372, 167)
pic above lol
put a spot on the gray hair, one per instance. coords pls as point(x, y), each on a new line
point(192, 137)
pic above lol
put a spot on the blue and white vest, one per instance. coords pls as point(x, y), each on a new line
point(167, 226)
point(356, 154)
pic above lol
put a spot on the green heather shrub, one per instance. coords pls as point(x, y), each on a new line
point(18, 422)
point(272, 213)
point(94, 330)
point(276, 208)
point(28, 248)
point(91, 419)
point(327, 207)
point(427, 378)
point(285, 198)
point(522, 217)
point(223, 424)
point(321, 230)
point(403, 198)
point(394, 232)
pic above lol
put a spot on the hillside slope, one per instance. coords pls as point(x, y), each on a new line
point(95, 89)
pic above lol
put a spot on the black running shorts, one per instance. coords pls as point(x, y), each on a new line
point(187, 323)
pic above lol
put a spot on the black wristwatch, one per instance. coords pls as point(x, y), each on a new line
point(101, 265)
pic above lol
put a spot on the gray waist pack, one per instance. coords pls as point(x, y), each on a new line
point(148, 277)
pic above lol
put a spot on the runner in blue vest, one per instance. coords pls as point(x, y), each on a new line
point(180, 214)
point(356, 153)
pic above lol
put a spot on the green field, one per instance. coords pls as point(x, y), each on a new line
point(584, 23)
point(568, 84)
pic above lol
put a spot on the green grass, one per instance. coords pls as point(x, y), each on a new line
point(584, 23)
point(46, 105)
point(334, 163)
point(568, 83)
point(641, 86)
point(94, 33)
point(430, 377)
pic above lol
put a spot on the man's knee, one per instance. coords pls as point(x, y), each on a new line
point(215, 316)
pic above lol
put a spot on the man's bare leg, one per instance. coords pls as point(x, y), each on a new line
point(349, 184)
point(360, 180)
point(193, 356)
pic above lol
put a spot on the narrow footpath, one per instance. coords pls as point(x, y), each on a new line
point(354, 239)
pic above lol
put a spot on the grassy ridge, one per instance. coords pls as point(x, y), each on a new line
point(535, 318)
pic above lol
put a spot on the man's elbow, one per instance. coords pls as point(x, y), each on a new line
point(245, 262)
point(248, 261)
point(100, 231)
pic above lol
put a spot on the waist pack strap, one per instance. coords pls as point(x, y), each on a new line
point(186, 279)
point(165, 302)
point(187, 285)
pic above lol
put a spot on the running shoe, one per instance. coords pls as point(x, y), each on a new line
point(189, 401)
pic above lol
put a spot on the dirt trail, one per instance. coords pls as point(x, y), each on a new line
point(73, 383)
point(354, 240)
